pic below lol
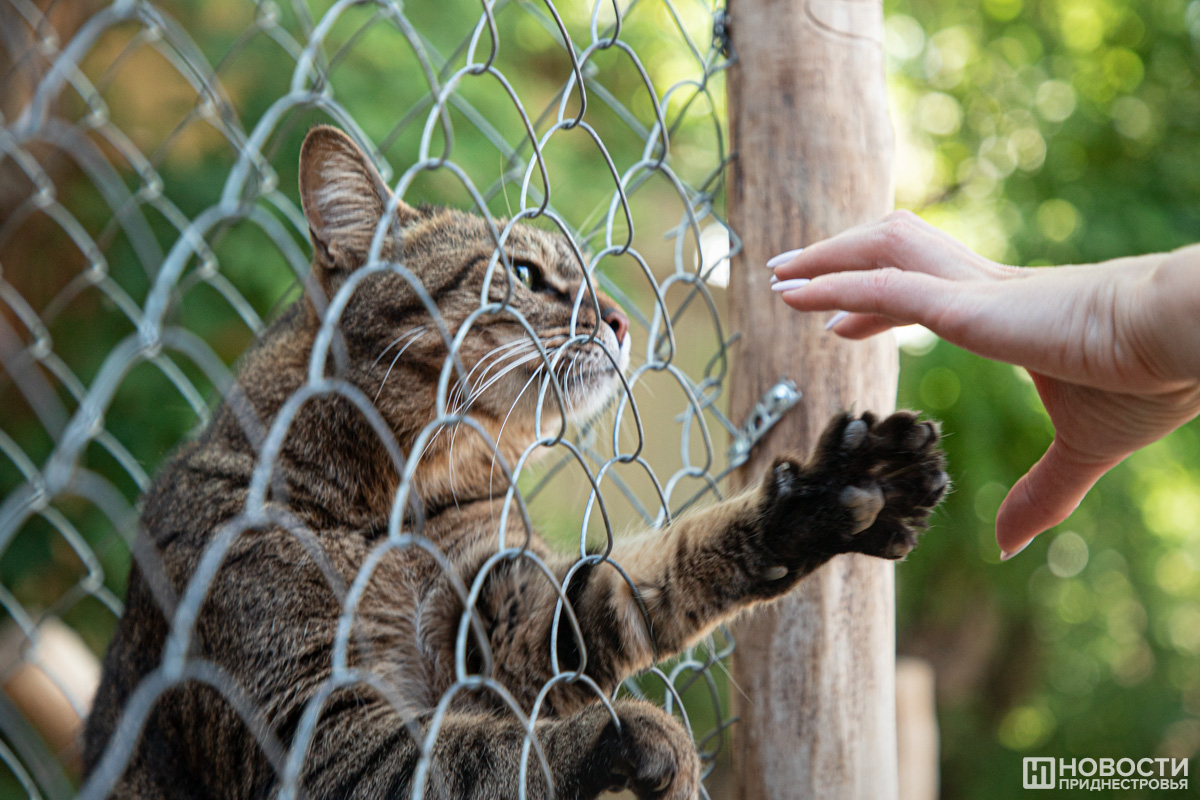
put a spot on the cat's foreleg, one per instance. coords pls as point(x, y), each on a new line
point(869, 488)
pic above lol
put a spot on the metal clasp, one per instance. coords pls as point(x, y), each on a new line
point(776, 402)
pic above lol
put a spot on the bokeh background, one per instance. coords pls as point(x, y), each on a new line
point(1050, 133)
point(1039, 133)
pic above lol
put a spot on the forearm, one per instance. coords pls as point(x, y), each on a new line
point(685, 580)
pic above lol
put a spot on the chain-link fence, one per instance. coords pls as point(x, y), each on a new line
point(149, 231)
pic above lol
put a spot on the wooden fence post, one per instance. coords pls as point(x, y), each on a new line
point(814, 674)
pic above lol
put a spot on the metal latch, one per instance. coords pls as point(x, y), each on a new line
point(776, 402)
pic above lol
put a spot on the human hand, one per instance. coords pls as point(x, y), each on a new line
point(1113, 348)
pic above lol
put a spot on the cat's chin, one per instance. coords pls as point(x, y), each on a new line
point(600, 386)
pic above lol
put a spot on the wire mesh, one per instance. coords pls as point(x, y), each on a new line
point(149, 231)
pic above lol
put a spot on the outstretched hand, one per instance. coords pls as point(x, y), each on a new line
point(1113, 348)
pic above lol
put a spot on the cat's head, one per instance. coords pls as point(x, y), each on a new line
point(395, 348)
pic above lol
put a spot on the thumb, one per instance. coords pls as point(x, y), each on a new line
point(1044, 497)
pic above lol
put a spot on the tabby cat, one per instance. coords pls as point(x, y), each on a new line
point(270, 617)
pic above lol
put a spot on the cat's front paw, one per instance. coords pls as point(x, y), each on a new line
point(651, 754)
point(869, 488)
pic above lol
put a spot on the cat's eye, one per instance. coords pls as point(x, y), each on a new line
point(529, 274)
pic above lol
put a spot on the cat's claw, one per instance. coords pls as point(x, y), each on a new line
point(785, 476)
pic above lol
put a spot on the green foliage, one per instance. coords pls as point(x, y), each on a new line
point(1046, 133)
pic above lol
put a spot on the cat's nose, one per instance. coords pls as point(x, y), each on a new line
point(618, 322)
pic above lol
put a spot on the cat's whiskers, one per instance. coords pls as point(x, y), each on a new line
point(517, 353)
point(575, 365)
point(552, 355)
point(461, 406)
point(519, 344)
point(454, 403)
point(564, 382)
point(497, 356)
point(478, 392)
point(484, 382)
point(565, 379)
point(500, 434)
point(419, 333)
point(412, 331)
point(579, 379)
point(522, 357)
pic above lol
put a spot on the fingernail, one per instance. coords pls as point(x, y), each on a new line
point(774, 279)
point(792, 283)
point(783, 258)
point(1005, 556)
point(836, 318)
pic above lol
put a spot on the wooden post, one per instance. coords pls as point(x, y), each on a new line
point(815, 673)
point(917, 729)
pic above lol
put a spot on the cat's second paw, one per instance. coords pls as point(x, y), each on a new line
point(869, 488)
point(651, 754)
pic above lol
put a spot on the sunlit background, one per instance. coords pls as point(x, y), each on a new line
point(1039, 133)
point(1050, 133)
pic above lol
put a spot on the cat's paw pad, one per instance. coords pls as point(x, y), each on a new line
point(653, 755)
point(894, 475)
point(854, 434)
point(864, 505)
point(869, 488)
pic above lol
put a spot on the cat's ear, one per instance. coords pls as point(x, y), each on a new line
point(343, 198)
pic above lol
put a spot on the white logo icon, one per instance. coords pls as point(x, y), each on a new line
point(1038, 772)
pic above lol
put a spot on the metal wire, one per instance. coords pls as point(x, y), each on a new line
point(98, 230)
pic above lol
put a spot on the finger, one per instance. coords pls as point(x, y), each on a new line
point(904, 297)
point(1030, 321)
point(861, 326)
point(1045, 496)
point(900, 240)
